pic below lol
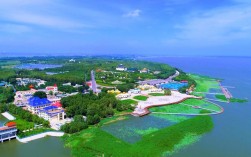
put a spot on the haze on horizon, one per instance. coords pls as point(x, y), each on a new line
point(145, 27)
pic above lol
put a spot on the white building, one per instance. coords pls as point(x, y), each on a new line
point(51, 112)
point(121, 67)
point(54, 88)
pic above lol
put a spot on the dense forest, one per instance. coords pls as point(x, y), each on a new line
point(93, 107)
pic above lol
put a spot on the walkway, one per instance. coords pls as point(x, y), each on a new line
point(8, 116)
point(38, 136)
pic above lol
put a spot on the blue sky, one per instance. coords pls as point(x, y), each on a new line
point(146, 27)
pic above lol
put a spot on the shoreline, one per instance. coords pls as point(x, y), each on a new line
point(38, 136)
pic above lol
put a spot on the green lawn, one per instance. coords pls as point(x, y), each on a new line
point(129, 102)
point(156, 94)
point(95, 142)
point(140, 97)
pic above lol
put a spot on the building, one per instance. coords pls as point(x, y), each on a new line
point(21, 97)
point(51, 112)
point(117, 82)
point(123, 95)
point(26, 81)
point(54, 88)
point(72, 60)
point(8, 132)
point(134, 91)
point(67, 84)
point(121, 67)
point(36, 103)
point(132, 70)
point(144, 70)
point(114, 91)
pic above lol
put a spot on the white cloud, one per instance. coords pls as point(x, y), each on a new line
point(133, 13)
point(215, 27)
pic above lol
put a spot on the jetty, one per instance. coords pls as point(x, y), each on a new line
point(225, 91)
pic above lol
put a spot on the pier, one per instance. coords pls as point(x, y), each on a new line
point(225, 91)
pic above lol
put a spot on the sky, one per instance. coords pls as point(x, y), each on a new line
point(126, 27)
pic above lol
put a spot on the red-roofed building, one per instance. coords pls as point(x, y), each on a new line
point(54, 88)
point(11, 124)
point(57, 104)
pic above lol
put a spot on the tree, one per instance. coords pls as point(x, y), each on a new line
point(50, 93)
point(40, 94)
point(167, 92)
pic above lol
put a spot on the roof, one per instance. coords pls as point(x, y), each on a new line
point(36, 101)
point(57, 104)
point(121, 66)
point(49, 108)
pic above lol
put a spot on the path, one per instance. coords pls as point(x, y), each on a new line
point(38, 136)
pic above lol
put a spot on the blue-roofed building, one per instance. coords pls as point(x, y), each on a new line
point(36, 103)
point(51, 112)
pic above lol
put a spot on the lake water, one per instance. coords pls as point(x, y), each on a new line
point(30, 66)
point(45, 147)
point(231, 136)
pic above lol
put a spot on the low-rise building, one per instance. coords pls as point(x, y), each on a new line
point(8, 132)
point(144, 70)
point(51, 112)
point(121, 67)
point(134, 91)
point(36, 103)
point(54, 88)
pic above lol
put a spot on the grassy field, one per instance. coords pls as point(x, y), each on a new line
point(95, 142)
point(129, 102)
point(156, 94)
point(141, 97)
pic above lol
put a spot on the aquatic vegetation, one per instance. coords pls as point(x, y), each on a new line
point(96, 142)
point(222, 97)
point(171, 118)
point(146, 131)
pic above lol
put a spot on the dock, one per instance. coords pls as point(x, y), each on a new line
point(225, 91)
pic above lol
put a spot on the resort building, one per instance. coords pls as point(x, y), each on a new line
point(117, 82)
point(134, 91)
point(146, 87)
point(36, 103)
point(121, 67)
point(114, 91)
point(26, 81)
point(67, 84)
point(8, 132)
point(51, 112)
point(124, 95)
point(144, 70)
point(21, 97)
point(54, 88)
